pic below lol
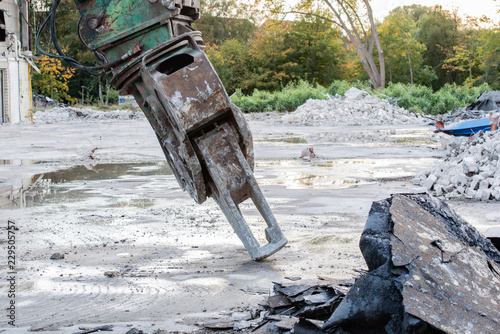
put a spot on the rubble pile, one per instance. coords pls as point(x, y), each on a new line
point(429, 271)
point(489, 100)
point(470, 171)
point(356, 108)
point(458, 115)
point(42, 101)
point(298, 305)
point(67, 114)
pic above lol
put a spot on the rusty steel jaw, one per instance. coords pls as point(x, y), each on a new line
point(205, 137)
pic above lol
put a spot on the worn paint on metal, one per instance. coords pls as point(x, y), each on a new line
point(114, 27)
point(204, 137)
point(232, 182)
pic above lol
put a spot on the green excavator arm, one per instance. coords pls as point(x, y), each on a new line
point(155, 54)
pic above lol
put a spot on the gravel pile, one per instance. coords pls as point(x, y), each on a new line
point(480, 109)
point(470, 171)
point(356, 108)
point(67, 114)
point(458, 115)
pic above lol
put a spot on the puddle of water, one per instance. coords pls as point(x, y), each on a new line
point(106, 172)
point(115, 185)
point(17, 162)
point(335, 174)
point(297, 176)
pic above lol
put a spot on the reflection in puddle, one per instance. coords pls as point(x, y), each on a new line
point(107, 172)
point(334, 174)
point(83, 183)
point(299, 175)
point(16, 162)
point(19, 192)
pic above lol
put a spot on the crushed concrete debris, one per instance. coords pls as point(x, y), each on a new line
point(112, 273)
point(308, 153)
point(301, 305)
point(68, 114)
point(235, 321)
point(470, 171)
point(360, 109)
point(42, 101)
point(476, 110)
point(428, 270)
point(487, 101)
point(464, 114)
point(134, 331)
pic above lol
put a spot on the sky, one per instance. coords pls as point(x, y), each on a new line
point(475, 8)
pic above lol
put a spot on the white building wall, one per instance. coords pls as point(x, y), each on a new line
point(16, 90)
point(25, 97)
point(13, 79)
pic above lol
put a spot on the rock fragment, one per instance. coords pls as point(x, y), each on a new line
point(57, 256)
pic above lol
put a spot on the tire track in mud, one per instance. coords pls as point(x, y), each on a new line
point(88, 303)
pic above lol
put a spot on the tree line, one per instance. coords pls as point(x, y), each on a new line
point(420, 45)
point(266, 45)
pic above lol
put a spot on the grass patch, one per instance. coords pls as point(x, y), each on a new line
point(287, 99)
point(416, 98)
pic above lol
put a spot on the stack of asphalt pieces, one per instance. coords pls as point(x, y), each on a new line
point(302, 307)
point(470, 171)
point(295, 306)
point(357, 107)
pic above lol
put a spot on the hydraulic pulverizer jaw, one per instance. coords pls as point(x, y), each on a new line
point(205, 138)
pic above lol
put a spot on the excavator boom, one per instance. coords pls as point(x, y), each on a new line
point(156, 55)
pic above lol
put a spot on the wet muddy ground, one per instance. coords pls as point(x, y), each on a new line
point(102, 195)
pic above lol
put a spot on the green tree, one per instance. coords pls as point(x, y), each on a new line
point(490, 57)
point(53, 79)
point(230, 60)
point(439, 33)
point(67, 18)
point(403, 53)
point(270, 65)
point(415, 11)
point(317, 49)
point(225, 19)
point(355, 18)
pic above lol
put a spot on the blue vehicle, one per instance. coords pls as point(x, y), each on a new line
point(467, 128)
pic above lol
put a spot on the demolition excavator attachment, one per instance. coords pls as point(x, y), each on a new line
point(154, 54)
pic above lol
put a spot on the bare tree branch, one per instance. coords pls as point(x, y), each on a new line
point(343, 18)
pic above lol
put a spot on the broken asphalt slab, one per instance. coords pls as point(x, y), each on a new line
point(429, 272)
point(428, 269)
